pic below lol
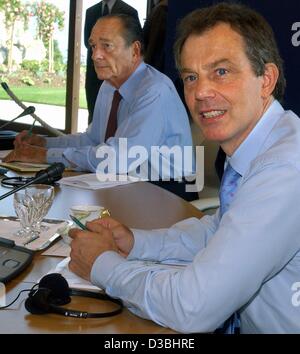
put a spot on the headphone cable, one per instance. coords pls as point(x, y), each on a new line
point(4, 307)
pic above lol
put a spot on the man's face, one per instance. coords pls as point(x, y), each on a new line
point(113, 60)
point(224, 96)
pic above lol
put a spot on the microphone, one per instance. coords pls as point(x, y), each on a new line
point(51, 174)
point(28, 110)
point(22, 105)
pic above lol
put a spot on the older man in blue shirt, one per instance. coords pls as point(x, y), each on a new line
point(150, 113)
point(245, 259)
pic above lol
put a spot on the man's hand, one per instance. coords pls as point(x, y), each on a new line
point(87, 246)
point(31, 139)
point(27, 153)
point(122, 234)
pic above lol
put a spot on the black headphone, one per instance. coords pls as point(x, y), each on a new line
point(53, 291)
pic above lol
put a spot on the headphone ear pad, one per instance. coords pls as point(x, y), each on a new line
point(53, 289)
point(37, 302)
point(59, 287)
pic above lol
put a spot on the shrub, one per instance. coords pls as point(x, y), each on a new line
point(47, 80)
point(3, 68)
point(4, 79)
point(27, 81)
point(33, 66)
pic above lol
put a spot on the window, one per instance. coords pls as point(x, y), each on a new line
point(33, 59)
point(45, 66)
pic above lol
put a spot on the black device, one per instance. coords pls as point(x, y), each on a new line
point(48, 176)
point(13, 259)
point(7, 137)
point(53, 291)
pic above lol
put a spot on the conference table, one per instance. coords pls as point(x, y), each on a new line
point(138, 205)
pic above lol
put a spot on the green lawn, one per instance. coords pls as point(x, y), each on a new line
point(54, 96)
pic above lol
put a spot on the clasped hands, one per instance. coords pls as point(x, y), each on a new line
point(28, 148)
point(104, 235)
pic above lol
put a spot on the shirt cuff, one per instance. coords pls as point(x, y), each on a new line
point(52, 142)
point(103, 267)
point(56, 155)
point(147, 244)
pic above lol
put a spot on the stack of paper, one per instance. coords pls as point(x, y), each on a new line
point(95, 181)
point(73, 280)
point(24, 166)
point(9, 225)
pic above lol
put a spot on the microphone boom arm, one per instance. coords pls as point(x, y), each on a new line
point(27, 111)
point(22, 105)
point(51, 174)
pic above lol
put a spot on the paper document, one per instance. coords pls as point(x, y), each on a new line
point(73, 280)
point(9, 225)
point(4, 153)
point(24, 166)
point(92, 181)
point(59, 249)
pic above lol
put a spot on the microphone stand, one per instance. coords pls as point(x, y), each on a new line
point(27, 111)
point(38, 119)
point(17, 189)
point(51, 174)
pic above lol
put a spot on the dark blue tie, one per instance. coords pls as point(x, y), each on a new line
point(105, 10)
point(228, 188)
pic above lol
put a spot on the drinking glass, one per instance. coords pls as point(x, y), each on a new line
point(26, 211)
point(42, 196)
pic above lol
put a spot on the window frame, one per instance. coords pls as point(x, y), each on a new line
point(73, 72)
point(73, 75)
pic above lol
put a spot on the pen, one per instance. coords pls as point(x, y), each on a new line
point(78, 223)
point(30, 130)
point(31, 240)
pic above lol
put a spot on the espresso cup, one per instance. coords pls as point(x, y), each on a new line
point(86, 213)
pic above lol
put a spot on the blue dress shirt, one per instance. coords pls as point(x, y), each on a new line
point(150, 114)
point(247, 261)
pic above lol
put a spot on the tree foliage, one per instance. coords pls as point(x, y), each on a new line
point(47, 16)
point(13, 10)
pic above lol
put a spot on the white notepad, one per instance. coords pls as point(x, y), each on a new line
point(74, 281)
point(24, 166)
point(95, 181)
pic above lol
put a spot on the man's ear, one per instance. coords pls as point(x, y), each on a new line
point(136, 50)
point(270, 78)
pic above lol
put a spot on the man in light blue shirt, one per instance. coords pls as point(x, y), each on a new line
point(101, 8)
point(247, 260)
point(150, 113)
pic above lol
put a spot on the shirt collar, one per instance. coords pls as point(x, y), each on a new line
point(250, 147)
point(129, 86)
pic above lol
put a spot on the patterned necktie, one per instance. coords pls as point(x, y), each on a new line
point(113, 115)
point(229, 184)
point(105, 10)
point(228, 187)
